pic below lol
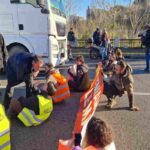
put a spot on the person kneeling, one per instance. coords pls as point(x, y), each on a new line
point(34, 110)
point(78, 75)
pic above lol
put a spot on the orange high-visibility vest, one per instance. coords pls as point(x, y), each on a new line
point(63, 91)
point(63, 147)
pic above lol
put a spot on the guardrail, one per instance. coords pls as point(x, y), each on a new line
point(123, 43)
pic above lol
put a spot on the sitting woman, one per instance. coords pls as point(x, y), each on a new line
point(79, 75)
point(98, 137)
point(34, 110)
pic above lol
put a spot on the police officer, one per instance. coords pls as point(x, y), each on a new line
point(3, 54)
point(21, 67)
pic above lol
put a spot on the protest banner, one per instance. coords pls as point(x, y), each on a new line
point(88, 104)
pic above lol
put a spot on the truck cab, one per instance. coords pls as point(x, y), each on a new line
point(35, 26)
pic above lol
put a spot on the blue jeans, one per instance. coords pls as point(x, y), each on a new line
point(147, 54)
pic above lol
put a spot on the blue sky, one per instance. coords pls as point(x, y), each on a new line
point(85, 3)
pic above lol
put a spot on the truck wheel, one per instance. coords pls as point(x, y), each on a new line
point(16, 49)
point(94, 54)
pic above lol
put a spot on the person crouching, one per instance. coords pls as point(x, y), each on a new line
point(120, 81)
point(34, 110)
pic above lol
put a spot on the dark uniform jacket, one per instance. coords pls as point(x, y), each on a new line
point(147, 39)
point(19, 67)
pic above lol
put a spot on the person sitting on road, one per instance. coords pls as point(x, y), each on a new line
point(79, 75)
point(5, 141)
point(62, 87)
point(99, 136)
point(120, 81)
point(34, 110)
point(119, 55)
point(60, 82)
point(21, 67)
point(71, 38)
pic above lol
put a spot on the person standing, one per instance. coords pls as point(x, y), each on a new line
point(147, 44)
point(3, 54)
point(21, 67)
point(71, 37)
point(105, 41)
point(96, 37)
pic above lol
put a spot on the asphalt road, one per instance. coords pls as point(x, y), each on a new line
point(131, 129)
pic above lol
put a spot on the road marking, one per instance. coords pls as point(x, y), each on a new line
point(142, 93)
point(17, 86)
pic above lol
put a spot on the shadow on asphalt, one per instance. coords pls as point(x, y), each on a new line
point(139, 72)
point(102, 108)
point(46, 136)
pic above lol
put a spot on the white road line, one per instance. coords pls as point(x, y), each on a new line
point(18, 86)
point(142, 93)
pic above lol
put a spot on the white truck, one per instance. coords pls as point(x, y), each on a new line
point(35, 26)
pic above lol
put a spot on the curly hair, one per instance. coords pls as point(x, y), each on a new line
point(98, 133)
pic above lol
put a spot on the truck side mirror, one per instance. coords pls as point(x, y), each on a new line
point(41, 3)
point(45, 11)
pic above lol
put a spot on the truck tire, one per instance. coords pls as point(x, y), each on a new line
point(16, 49)
point(94, 53)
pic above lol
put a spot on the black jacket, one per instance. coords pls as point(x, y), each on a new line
point(147, 38)
point(19, 67)
point(71, 36)
point(80, 75)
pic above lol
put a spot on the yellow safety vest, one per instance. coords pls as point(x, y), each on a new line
point(4, 130)
point(29, 118)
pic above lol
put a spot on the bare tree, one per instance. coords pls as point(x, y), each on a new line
point(138, 17)
point(70, 7)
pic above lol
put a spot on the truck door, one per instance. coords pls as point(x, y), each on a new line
point(8, 18)
point(33, 25)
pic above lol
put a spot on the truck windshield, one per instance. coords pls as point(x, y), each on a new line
point(58, 7)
